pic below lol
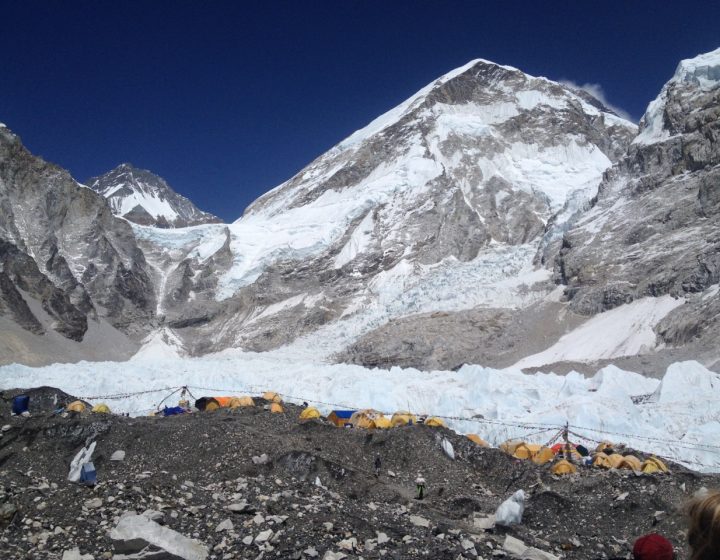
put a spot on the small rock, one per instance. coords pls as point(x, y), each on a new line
point(6, 428)
point(382, 538)
point(94, 503)
point(248, 540)
point(485, 523)
point(261, 459)
point(330, 555)
point(328, 526)
point(74, 554)
point(622, 496)
point(348, 544)
point(7, 511)
point(225, 525)
point(311, 552)
point(119, 455)
point(263, 536)
point(240, 507)
point(419, 521)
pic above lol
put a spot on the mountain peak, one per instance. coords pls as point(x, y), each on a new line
point(144, 198)
point(693, 78)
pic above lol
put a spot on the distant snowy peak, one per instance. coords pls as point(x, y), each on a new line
point(500, 82)
point(693, 78)
point(146, 199)
point(481, 123)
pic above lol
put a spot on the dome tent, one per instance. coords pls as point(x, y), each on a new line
point(309, 413)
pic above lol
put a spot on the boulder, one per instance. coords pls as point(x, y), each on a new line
point(136, 537)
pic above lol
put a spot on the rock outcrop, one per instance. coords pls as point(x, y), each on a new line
point(61, 246)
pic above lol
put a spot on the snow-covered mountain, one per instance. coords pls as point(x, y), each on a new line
point(144, 198)
point(654, 229)
point(440, 206)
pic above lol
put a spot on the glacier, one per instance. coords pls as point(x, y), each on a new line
point(675, 417)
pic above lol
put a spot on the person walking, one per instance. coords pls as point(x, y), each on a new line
point(377, 466)
point(420, 487)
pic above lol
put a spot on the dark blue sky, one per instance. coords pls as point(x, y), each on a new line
point(228, 99)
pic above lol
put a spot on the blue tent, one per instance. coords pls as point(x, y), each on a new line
point(341, 418)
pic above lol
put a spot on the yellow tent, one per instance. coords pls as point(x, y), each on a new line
point(309, 413)
point(364, 419)
point(563, 467)
point(615, 460)
point(382, 422)
point(631, 462)
point(212, 405)
point(654, 465)
point(75, 406)
point(101, 408)
point(543, 455)
point(276, 408)
point(603, 446)
point(434, 422)
point(271, 396)
point(477, 439)
point(237, 402)
point(511, 445)
point(403, 418)
point(602, 460)
point(526, 450)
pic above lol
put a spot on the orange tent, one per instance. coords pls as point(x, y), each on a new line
point(477, 439)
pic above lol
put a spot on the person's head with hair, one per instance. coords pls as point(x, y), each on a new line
point(653, 547)
point(704, 529)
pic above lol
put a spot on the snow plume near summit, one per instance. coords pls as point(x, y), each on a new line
point(598, 92)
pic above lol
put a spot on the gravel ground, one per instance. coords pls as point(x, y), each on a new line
point(204, 475)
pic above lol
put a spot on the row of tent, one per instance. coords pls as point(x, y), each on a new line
point(79, 406)
point(372, 419)
point(368, 419)
point(603, 457)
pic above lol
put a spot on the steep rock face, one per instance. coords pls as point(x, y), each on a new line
point(655, 226)
point(61, 245)
point(441, 204)
point(144, 198)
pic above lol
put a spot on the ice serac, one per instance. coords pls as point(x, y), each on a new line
point(144, 198)
point(444, 205)
point(68, 267)
point(654, 229)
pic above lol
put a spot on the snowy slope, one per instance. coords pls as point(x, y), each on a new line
point(511, 404)
point(144, 198)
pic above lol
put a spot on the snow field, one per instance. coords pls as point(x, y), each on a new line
point(680, 419)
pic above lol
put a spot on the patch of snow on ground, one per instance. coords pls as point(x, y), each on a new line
point(624, 331)
point(599, 407)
